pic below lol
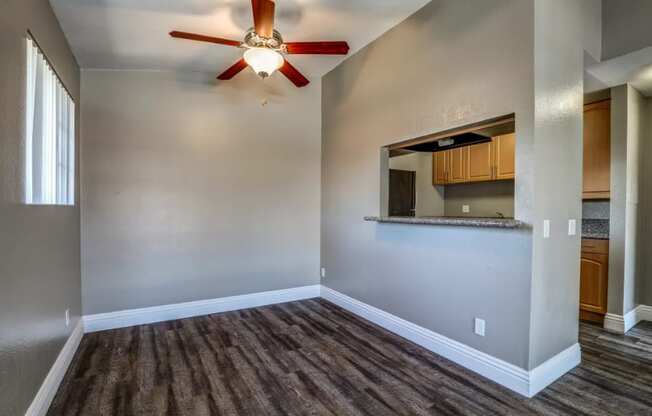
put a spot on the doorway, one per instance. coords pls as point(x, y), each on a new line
point(402, 193)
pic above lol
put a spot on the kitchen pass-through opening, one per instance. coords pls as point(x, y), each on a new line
point(468, 171)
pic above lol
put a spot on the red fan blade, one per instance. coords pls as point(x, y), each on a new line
point(233, 70)
point(263, 17)
point(293, 75)
point(318, 48)
point(204, 38)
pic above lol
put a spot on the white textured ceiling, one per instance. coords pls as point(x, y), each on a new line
point(133, 34)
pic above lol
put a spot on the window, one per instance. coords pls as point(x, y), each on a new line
point(49, 134)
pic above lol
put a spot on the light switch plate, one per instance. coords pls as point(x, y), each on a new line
point(466, 209)
point(479, 327)
point(546, 228)
point(67, 317)
point(572, 227)
point(323, 272)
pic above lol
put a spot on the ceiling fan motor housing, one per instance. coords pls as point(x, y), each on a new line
point(254, 40)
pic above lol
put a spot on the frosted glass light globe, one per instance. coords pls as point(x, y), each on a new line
point(263, 61)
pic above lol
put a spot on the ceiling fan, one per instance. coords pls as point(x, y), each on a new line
point(265, 48)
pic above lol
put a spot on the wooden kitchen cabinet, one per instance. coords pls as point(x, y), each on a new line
point(504, 156)
point(594, 278)
point(440, 168)
point(597, 150)
point(481, 162)
point(450, 166)
point(458, 165)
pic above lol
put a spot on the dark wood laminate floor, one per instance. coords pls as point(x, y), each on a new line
point(313, 358)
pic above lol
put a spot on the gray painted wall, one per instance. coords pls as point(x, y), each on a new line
point(626, 26)
point(560, 44)
point(633, 222)
point(462, 73)
point(618, 199)
point(627, 223)
point(39, 245)
point(484, 199)
point(645, 201)
point(365, 106)
point(193, 190)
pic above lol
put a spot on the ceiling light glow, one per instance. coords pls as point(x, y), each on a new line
point(263, 61)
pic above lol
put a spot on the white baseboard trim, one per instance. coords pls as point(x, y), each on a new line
point(526, 383)
point(131, 317)
point(50, 385)
point(620, 324)
point(549, 371)
point(614, 323)
point(643, 313)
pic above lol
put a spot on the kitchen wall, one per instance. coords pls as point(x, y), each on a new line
point(39, 245)
point(196, 190)
point(634, 214)
point(386, 93)
point(645, 231)
point(626, 26)
point(595, 210)
point(618, 200)
point(627, 218)
point(485, 199)
point(430, 198)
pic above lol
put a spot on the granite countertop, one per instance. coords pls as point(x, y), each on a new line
point(596, 229)
point(458, 221)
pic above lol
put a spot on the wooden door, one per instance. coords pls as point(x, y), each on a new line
point(597, 150)
point(594, 279)
point(504, 161)
point(440, 168)
point(402, 193)
point(593, 282)
point(458, 165)
point(480, 162)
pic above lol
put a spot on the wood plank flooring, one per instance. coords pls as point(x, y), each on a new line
point(314, 358)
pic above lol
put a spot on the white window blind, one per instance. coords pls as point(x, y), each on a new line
point(49, 135)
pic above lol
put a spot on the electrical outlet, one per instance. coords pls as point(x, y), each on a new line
point(572, 227)
point(466, 209)
point(546, 228)
point(67, 317)
point(479, 327)
point(323, 272)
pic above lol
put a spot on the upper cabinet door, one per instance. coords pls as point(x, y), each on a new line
point(439, 168)
point(505, 166)
point(481, 162)
point(597, 150)
point(458, 165)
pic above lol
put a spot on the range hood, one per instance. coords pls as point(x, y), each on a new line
point(451, 142)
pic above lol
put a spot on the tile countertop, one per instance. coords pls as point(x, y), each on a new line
point(595, 229)
point(591, 228)
point(458, 221)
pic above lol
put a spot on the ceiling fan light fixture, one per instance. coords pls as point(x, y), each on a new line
point(263, 61)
